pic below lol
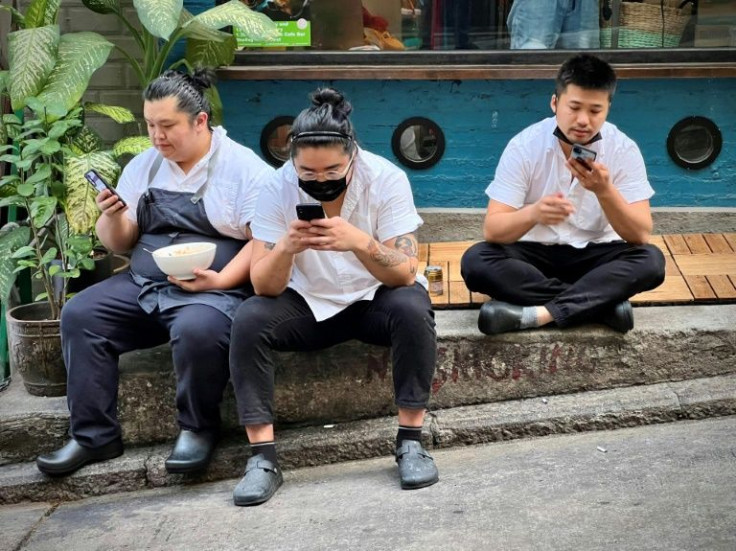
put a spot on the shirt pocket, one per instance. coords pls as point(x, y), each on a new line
point(589, 215)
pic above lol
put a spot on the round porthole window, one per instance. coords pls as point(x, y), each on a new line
point(694, 142)
point(418, 143)
point(275, 140)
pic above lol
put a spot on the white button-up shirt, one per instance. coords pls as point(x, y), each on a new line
point(231, 195)
point(378, 201)
point(533, 166)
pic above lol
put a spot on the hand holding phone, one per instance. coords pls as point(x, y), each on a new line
point(309, 211)
point(583, 155)
point(100, 185)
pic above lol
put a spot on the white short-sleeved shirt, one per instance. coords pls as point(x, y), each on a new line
point(378, 201)
point(533, 166)
point(230, 197)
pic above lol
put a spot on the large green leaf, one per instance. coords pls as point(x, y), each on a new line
point(41, 13)
point(115, 112)
point(11, 239)
point(194, 29)
point(79, 56)
point(207, 53)
point(159, 17)
point(80, 208)
point(103, 6)
point(86, 141)
point(132, 145)
point(255, 25)
point(32, 55)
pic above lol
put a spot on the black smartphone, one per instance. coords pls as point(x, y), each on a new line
point(309, 211)
point(100, 184)
point(583, 154)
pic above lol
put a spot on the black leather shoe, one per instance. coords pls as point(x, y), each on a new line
point(621, 318)
point(262, 479)
point(416, 466)
point(73, 456)
point(499, 317)
point(192, 451)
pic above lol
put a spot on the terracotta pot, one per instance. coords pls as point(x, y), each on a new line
point(34, 347)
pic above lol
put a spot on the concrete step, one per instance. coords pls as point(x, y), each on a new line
point(143, 467)
point(353, 381)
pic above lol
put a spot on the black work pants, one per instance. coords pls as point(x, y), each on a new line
point(104, 321)
point(575, 285)
point(399, 317)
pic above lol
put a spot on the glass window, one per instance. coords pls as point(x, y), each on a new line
point(400, 25)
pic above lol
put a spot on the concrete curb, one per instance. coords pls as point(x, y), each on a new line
point(353, 381)
point(143, 468)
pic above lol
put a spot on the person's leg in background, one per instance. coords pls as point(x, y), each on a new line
point(536, 24)
point(581, 26)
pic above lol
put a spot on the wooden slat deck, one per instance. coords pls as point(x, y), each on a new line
point(700, 268)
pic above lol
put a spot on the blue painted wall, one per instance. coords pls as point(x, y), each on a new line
point(479, 117)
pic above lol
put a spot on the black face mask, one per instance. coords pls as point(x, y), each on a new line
point(325, 191)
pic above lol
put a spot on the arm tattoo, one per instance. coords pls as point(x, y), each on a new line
point(407, 244)
point(384, 256)
point(269, 246)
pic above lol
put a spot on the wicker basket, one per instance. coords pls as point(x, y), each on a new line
point(641, 25)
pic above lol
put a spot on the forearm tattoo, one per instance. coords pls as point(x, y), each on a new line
point(269, 246)
point(384, 256)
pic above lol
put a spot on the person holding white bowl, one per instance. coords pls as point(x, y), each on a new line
point(194, 185)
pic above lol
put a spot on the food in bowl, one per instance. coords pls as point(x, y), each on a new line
point(180, 260)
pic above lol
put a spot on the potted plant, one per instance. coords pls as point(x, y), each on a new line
point(48, 74)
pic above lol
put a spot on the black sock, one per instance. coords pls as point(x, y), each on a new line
point(408, 433)
point(268, 449)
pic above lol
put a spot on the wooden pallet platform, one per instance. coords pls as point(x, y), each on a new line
point(701, 268)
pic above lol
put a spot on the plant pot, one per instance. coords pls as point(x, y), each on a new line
point(34, 348)
point(103, 269)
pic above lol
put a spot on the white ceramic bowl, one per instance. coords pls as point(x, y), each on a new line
point(180, 260)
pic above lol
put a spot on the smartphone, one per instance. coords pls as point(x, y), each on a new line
point(309, 211)
point(100, 184)
point(583, 154)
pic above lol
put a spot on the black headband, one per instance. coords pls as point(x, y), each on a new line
point(321, 134)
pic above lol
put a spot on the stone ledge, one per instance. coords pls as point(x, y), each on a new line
point(353, 381)
point(141, 468)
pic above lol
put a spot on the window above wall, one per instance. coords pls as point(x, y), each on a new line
point(466, 33)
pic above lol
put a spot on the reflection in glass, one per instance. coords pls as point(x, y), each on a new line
point(278, 142)
point(418, 143)
point(693, 144)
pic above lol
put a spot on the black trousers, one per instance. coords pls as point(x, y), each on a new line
point(575, 285)
point(399, 317)
point(105, 320)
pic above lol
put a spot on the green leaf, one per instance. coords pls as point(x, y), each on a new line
point(3, 81)
point(10, 240)
point(159, 17)
point(79, 56)
point(24, 251)
point(103, 6)
point(49, 255)
point(253, 24)
point(208, 53)
point(41, 296)
point(86, 141)
point(115, 112)
point(50, 147)
point(42, 12)
point(213, 96)
point(54, 269)
point(43, 173)
point(42, 209)
point(25, 190)
point(32, 55)
point(195, 29)
point(131, 145)
point(80, 207)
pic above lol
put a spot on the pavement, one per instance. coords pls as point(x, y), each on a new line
point(669, 486)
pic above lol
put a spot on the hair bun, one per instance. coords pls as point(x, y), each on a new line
point(203, 78)
point(332, 97)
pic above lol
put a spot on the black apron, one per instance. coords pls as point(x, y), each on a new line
point(171, 217)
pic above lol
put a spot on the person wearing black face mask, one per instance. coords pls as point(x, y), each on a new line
point(349, 275)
